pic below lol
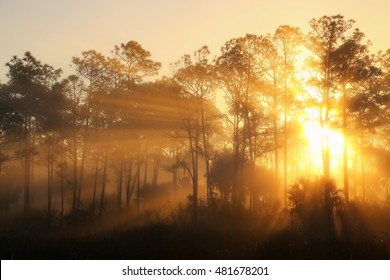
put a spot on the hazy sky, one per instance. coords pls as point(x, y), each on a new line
point(56, 30)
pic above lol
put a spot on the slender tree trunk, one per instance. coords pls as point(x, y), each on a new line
point(95, 181)
point(49, 177)
point(275, 132)
point(285, 137)
point(75, 202)
point(48, 182)
point(362, 166)
point(74, 174)
point(138, 184)
point(242, 160)
point(210, 199)
point(345, 155)
point(131, 191)
point(32, 170)
point(236, 164)
point(27, 165)
point(80, 181)
point(146, 169)
point(175, 171)
point(156, 166)
point(324, 113)
point(194, 159)
point(104, 180)
point(1, 162)
point(128, 180)
point(62, 185)
point(120, 181)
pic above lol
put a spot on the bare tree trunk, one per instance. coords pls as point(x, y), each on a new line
point(345, 155)
point(285, 139)
point(210, 199)
point(27, 165)
point(62, 185)
point(146, 169)
point(275, 132)
point(1, 164)
point(95, 181)
point(236, 164)
point(48, 182)
point(50, 164)
point(138, 184)
point(128, 180)
point(131, 190)
point(175, 171)
point(104, 179)
point(74, 207)
point(362, 166)
point(156, 166)
point(80, 182)
point(324, 119)
point(120, 180)
point(194, 159)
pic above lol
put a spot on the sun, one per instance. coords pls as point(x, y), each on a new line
point(319, 138)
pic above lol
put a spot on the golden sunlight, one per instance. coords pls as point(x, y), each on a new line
point(319, 138)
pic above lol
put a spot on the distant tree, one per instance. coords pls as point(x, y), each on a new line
point(240, 78)
point(137, 63)
point(30, 83)
point(196, 76)
point(131, 106)
point(271, 76)
point(10, 123)
point(288, 41)
point(222, 174)
point(53, 125)
point(91, 67)
point(75, 91)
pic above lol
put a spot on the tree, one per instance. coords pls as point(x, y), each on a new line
point(325, 37)
point(30, 82)
point(137, 63)
point(91, 67)
point(239, 77)
point(351, 63)
point(53, 124)
point(367, 110)
point(10, 123)
point(196, 76)
point(288, 41)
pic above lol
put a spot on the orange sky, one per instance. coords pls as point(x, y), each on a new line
point(56, 30)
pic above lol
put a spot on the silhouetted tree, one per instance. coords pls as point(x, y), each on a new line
point(91, 67)
point(288, 41)
point(10, 124)
point(325, 37)
point(351, 64)
point(196, 76)
point(240, 78)
point(367, 110)
point(137, 63)
point(30, 83)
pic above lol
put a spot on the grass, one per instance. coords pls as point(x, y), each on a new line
point(363, 233)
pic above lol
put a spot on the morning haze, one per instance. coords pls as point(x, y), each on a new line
point(194, 130)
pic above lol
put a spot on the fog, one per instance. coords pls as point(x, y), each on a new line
point(109, 163)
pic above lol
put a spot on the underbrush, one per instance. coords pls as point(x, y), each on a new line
point(359, 231)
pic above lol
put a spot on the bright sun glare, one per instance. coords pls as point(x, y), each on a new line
point(319, 138)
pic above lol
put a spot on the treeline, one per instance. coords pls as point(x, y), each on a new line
point(110, 129)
